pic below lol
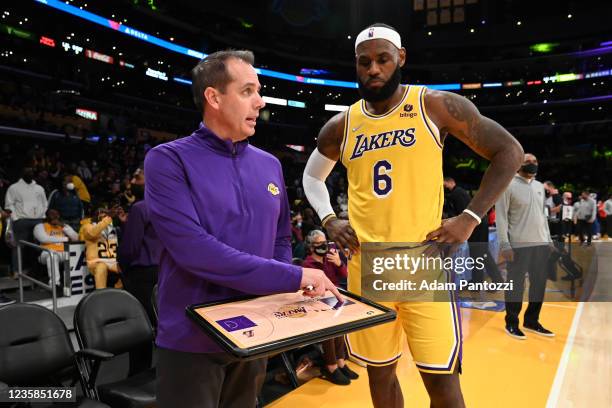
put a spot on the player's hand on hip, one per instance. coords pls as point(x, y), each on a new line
point(315, 283)
point(341, 232)
point(453, 230)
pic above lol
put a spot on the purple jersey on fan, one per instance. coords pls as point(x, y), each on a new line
point(220, 210)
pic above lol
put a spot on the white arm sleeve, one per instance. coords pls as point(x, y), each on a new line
point(317, 169)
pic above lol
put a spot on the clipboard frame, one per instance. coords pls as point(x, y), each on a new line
point(292, 342)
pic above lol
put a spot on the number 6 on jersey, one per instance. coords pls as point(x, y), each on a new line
point(382, 180)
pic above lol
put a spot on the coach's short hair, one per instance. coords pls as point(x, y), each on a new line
point(212, 72)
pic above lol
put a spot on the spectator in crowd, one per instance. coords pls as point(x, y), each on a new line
point(585, 212)
point(52, 234)
point(67, 203)
point(553, 207)
point(4, 300)
point(601, 218)
point(326, 258)
point(83, 171)
point(608, 211)
point(139, 248)
point(27, 202)
point(456, 199)
point(297, 239)
point(100, 239)
point(524, 240)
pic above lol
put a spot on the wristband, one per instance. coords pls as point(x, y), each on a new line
point(473, 215)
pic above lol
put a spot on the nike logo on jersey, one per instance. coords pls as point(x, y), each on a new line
point(363, 144)
point(357, 128)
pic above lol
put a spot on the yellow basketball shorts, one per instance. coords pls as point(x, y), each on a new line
point(433, 332)
point(431, 328)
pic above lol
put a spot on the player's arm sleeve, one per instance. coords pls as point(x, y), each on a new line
point(282, 243)
point(502, 207)
point(192, 248)
point(316, 172)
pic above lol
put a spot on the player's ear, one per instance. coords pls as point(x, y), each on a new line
point(402, 56)
point(211, 95)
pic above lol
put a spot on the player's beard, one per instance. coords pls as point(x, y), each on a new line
point(385, 91)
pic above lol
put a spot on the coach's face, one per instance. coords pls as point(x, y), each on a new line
point(239, 105)
point(379, 65)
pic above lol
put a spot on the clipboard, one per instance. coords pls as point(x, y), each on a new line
point(254, 327)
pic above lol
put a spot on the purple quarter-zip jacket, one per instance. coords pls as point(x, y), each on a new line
point(221, 212)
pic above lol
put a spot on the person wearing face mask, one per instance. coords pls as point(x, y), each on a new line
point(585, 212)
point(67, 203)
point(297, 238)
point(323, 257)
point(139, 248)
point(100, 239)
point(52, 234)
point(525, 243)
point(27, 202)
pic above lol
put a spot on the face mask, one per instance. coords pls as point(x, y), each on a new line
point(547, 193)
point(70, 186)
point(298, 224)
point(320, 249)
point(530, 168)
point(385, 92)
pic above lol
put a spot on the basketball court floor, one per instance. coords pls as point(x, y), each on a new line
point(573, 369)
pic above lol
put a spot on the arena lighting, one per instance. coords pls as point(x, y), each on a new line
point(492, 85)
point(49, 42)
point(87, 114)
point(182, 81)
point(297, 148)
point(156, 74)
point(75, 48)
point(17, 32)
point(335, 108)
point(563, 77)
point(606, 44)
point(94, 18)
point(125, 64)
point(296, 104)
point(275, 101)
point(598, 74)
point(99, 56)
point(470, 86)
point(543, 47)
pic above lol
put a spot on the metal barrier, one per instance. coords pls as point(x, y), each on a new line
point(54, 271)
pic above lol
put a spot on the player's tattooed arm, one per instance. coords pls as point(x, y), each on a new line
point(457, 116)
point(330, 137)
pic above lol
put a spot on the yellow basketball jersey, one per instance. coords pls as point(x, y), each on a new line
point(394, 167)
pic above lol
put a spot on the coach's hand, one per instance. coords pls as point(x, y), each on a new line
point(341, 232)
point(315, 283)
point(453, 230)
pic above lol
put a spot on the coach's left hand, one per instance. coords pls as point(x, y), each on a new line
point(453, 230)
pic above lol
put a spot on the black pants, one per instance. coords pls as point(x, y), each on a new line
point(24, 230)
point(585, 228)
point(609, 226)
point(139, 281)
point(334, 349)
point(207, 380)
point(533, 260)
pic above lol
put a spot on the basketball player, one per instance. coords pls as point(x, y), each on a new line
point(391, 144)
